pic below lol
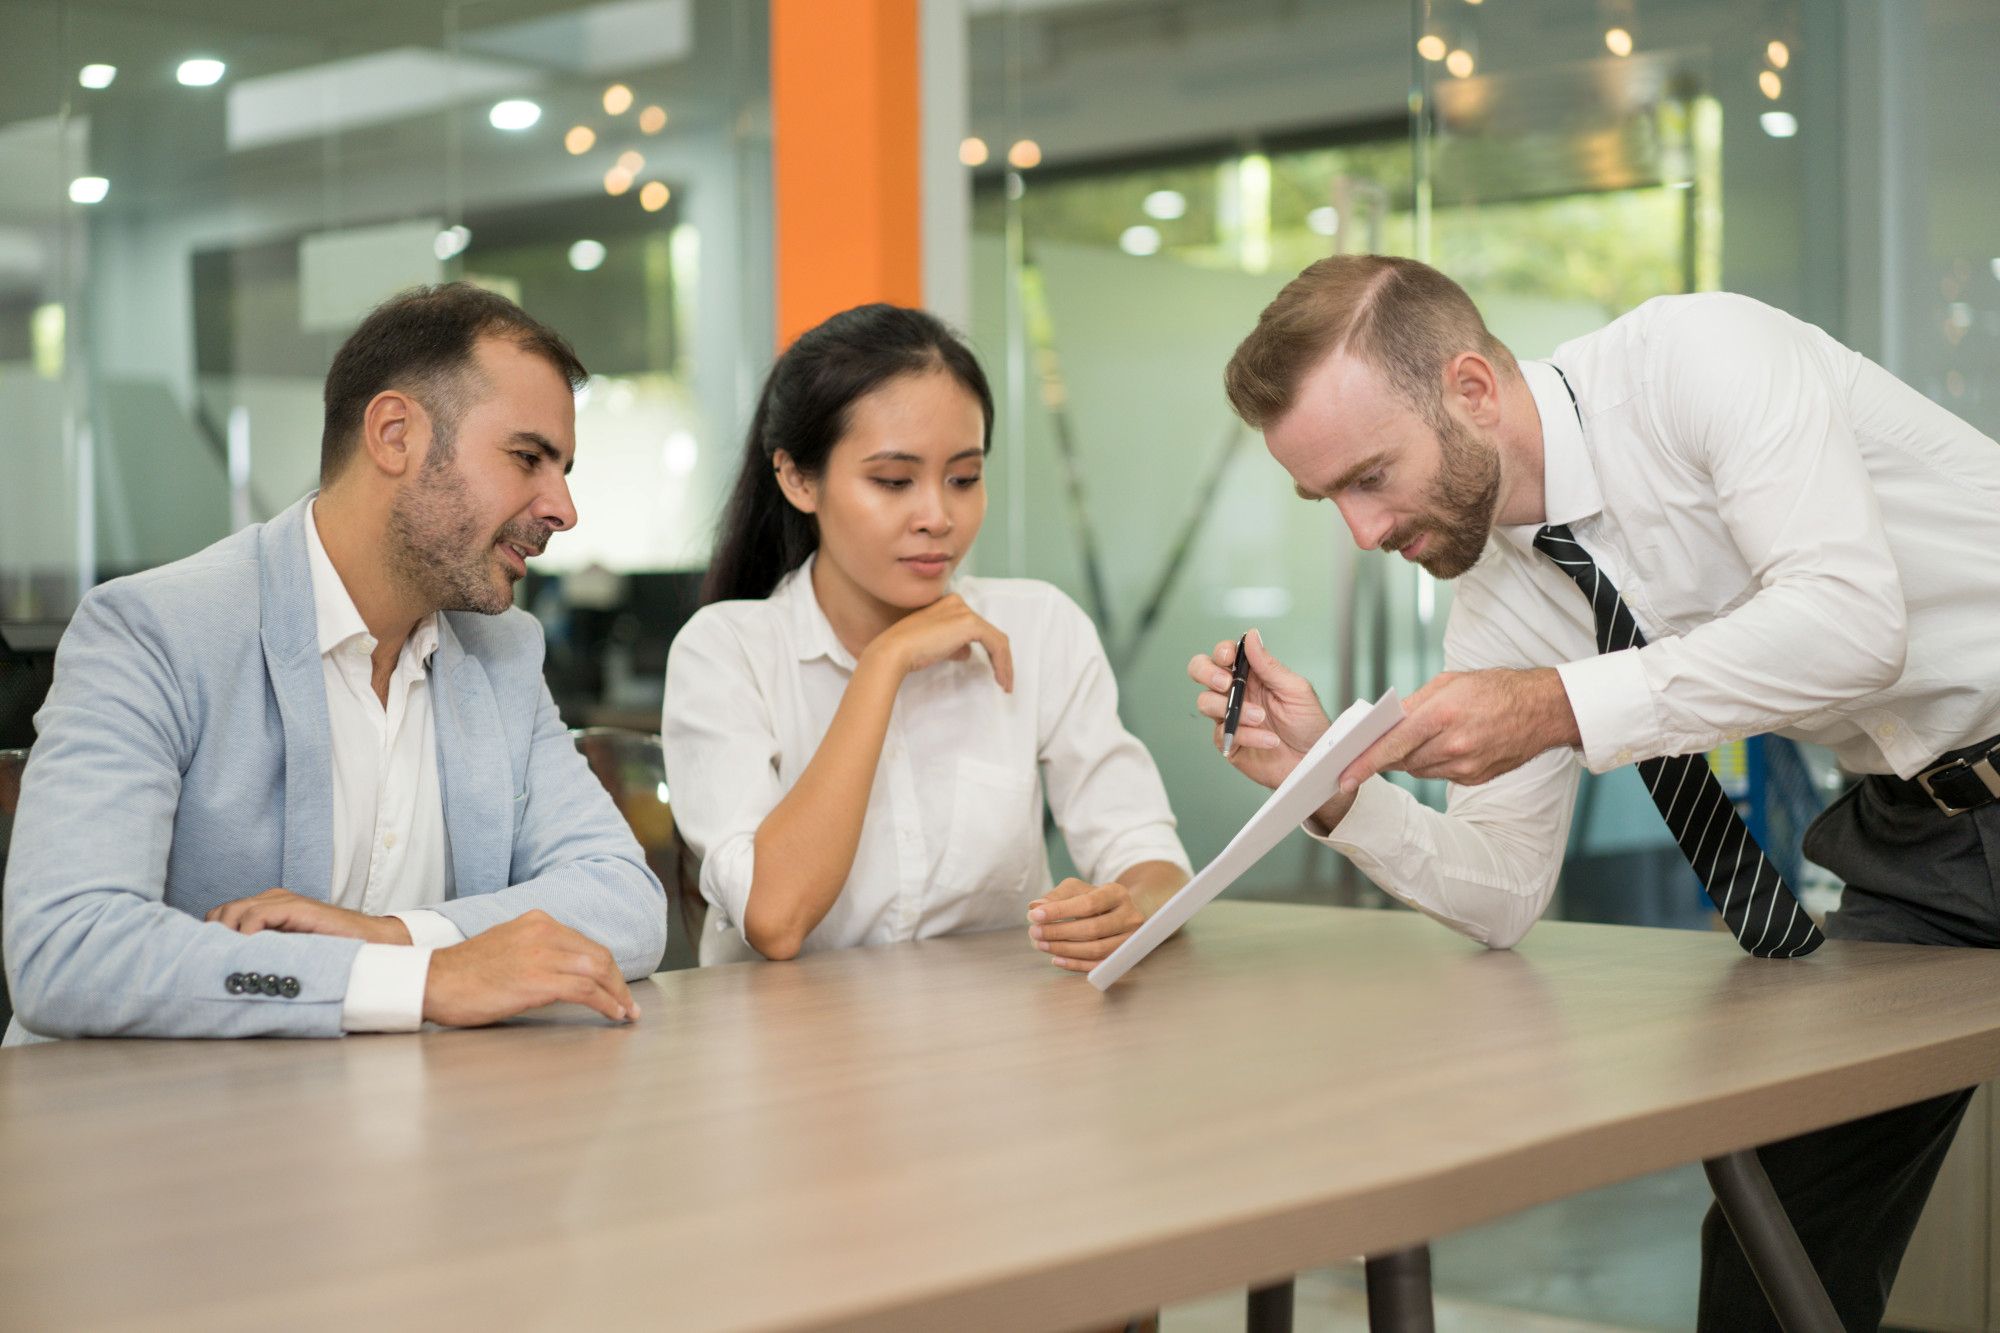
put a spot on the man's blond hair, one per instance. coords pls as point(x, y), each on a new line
point(1405, 319)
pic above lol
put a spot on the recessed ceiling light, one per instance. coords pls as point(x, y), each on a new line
point(1779, 124)
point(586, 255)
point(515, 114)
point(97, 76)
point(1166, 205)
point(89, 190)
point(1140, 240)
point(200, 72)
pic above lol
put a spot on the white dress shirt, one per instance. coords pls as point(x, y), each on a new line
point(390, 855)
point(1805, 542)
point(952, 839)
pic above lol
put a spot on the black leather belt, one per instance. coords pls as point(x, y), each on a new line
point(1966, 782)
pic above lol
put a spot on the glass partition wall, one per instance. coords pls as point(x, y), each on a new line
point(204, 199)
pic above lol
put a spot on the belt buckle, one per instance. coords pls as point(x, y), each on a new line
point(1982, 767)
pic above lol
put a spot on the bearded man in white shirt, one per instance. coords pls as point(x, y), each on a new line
point(1706, 521)
point(309, 781)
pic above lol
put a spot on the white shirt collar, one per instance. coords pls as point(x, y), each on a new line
point(812, 632)
point(338, 619)
point(1569, 481)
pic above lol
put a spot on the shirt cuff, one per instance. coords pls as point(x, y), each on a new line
point(385, 988)
point(430, 930)
point(1613, 704)
point(1373, 824)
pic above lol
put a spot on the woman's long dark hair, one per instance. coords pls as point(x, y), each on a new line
point(804, 411)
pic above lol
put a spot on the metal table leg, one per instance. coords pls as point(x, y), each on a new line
point(1270, 1309)
point(1399, 1291)
point(1751, 1206)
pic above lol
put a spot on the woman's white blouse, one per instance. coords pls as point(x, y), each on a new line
point(952, 840)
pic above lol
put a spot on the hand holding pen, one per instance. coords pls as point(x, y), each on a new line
point(1278, 716)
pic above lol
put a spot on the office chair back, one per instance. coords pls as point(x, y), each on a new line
point(13, 763)
point(633, 769)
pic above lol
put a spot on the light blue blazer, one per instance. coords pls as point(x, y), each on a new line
point(183, 760)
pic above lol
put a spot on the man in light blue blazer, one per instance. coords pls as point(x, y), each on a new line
point(309, 780)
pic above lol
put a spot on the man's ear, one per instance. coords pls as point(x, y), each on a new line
point(395, 432)
point(798, 489)
point(1473, 382)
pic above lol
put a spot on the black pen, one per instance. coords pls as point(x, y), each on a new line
point(1238, 675)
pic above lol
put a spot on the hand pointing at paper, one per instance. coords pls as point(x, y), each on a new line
point(1469, 727)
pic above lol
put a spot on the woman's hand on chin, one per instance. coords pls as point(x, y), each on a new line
point(944, 631)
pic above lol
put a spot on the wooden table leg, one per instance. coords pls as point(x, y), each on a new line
point(1270, 1309)
point(1399, 1291)
point(1778, 1260)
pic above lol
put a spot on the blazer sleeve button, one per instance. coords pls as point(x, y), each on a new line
point(289, 988)
point(270, 985)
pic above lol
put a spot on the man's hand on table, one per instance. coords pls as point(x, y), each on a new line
point(516, 966)
point(281, 909)
point(523, 964)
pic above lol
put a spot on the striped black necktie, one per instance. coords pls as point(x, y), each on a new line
point(1760, 911)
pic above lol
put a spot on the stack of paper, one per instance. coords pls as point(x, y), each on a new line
point(1308, 787)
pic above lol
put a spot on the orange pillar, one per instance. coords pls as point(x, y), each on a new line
point(844, 133)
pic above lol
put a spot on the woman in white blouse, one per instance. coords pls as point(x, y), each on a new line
point(858, 740)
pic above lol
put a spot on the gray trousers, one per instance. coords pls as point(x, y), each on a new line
point(1854, 1192)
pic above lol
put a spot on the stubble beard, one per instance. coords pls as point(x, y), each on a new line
point(436, 549)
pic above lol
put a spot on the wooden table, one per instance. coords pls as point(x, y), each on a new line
point(950, 1134)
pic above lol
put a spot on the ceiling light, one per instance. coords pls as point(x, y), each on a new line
point(1459, 63)
point(631, 163)
point(1324, 220)
point(586, 255)
point(680, 454)
point(516, 113)
point(1779, 124)
point(451, 241)
point(653, 196)
point(617, 181)
point(97, 76)
point(1140, 240)
point(88, 190)
point(1772, 85)
point(617, 100)
point(1618, 41)
point(652, 120)
point(1778, 54)
point(1431, 46)
point(1024, 154)
point(1166, 205)
point(580, 139)
point(1996, 270)
point(200, 72)
point(972, 152)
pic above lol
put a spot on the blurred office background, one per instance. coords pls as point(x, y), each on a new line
point(203, 196)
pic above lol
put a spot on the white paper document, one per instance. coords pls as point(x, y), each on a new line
point(1310, 785)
